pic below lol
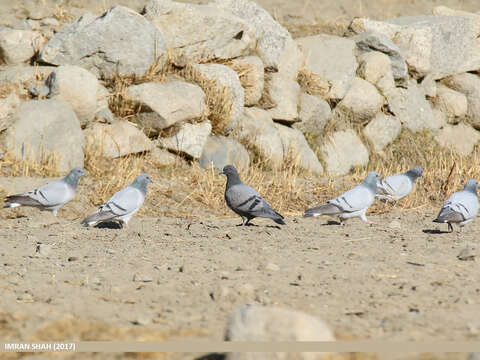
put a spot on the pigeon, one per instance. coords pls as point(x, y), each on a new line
point(461, 207)
point(245, 200)
point(353, 203)
point(50, 197)
point(395, 187)
point(123, 204)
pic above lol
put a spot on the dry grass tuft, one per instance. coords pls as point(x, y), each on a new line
point(62, 14)
point(46, 165)
point(313, 84)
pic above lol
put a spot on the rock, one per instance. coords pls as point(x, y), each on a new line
point(226, 78)
point(361, 102)
point(468, 253)
point(258, 323)
point(445, 11)
point(275, 45)
point(18, 46)
point(343, 150)
point(373, 41)
point(435, 45)
point(165, 104)
point(429, 86)
point(474, 356)
point(339, 69)
point(103, 114)
point(117, 139)
point(220, 151)
point(161, 157)
point(313, 113)
point(382, 130)
point(76, 86)
point(8, 105)
point(50, 22)
point(285, 93)
point(44, 249)
point(39, 12)
point(412, 109)
point(376, 68)
point(469, 85)
point(395, 224)
point(39, 91)
point(251, 75)
point(461, 138)
point(57, 132)
point(297, 151)
point(201, 32)
point(453, 103)
point(24, 74)
point(258, 132)
point(128, 44)
point(189, 140)
point(272, 267)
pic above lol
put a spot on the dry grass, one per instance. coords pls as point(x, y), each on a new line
point(46, 165)
point(313, 84)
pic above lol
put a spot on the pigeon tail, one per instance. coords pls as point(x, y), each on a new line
point(280, 221)
point(96, 217)
point(449, 215)
point(326, 209)
point(19, 200)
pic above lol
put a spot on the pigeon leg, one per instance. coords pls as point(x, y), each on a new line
point(244, 221)
point(450, 227)
point(364, 218)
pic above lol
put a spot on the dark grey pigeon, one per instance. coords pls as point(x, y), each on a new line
point(245, 200)
point(49, 197)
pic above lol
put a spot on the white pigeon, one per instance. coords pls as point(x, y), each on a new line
point(461, 207)
point(395, 187)
point(353, 203)
point(50, 197)
point(123, 204)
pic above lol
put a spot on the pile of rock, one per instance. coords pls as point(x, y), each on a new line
point(418, 73)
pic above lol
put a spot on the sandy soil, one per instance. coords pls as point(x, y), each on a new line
point(170, 278)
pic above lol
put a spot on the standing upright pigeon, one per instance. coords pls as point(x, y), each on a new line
point(245, 200)
point(461, 207)
point(123, 204)
point(353, 203)
point(51, 196)
point(397, 186)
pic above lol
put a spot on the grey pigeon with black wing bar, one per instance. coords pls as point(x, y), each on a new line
point(396, 187)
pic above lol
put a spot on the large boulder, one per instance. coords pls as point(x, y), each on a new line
point(115, 140)
point(251, 73)
point(18, 46)
point(189, 140)
point(258, 132)
point(285, 93)
point(461, 138)
point(297, 151)
point(220, 151)
point(412, 109)
point(339, 69)
point(164, 104)
point(376, 68)
point(453, 103)
point(314, 113)
point(343, 150)
point(76, 86)
point(120, 40)
point(226, 79)
point(469, 85)
point(382, 130)
point(56, 132)
point(275, 45)
point(200, 32)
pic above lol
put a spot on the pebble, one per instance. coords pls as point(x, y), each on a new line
point(272, 267)
point(466, 254)
point(395, 224)
point(44, 249)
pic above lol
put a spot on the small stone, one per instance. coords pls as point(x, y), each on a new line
point(18, 46)
point(44, 249)
point(272, 267)
point(246, 290)
point(467, 254)
point(190, 139)
point(72, 258)
point(395, 224)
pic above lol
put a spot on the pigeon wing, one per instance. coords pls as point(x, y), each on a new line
point(52, 194)
point(358, 198)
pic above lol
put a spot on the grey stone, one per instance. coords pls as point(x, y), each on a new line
point(285, 93)
point(8, 105)
point(220, 151)
point(258, 132)
point(118, 139)
point(275, 45)
point(453, 103)
point(40, 91)
point(253, 79)
point(164, 104)
point(461, 138)
point(343, 150)
point(201, 32)
point(57, 131)
point(18, 46)
point(24, 74)
point(376, 68)
point(412, 109)
point(189, 140)
point(361, 102)
point(339, 69)
point(382, 130)
point(228, 79)
point(161, 157)
point(313, 113)
point(445, 11)
point(373, 41)
point(469, 85)
point(297, 151)
point(128, 44)
point(78, 87)
point(429, 86)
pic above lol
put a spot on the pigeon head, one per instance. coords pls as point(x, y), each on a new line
point(232, 175)
point(471, 186)
point(371, 180)
point(74, 176)
point(414, 173)
point(141, 182)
